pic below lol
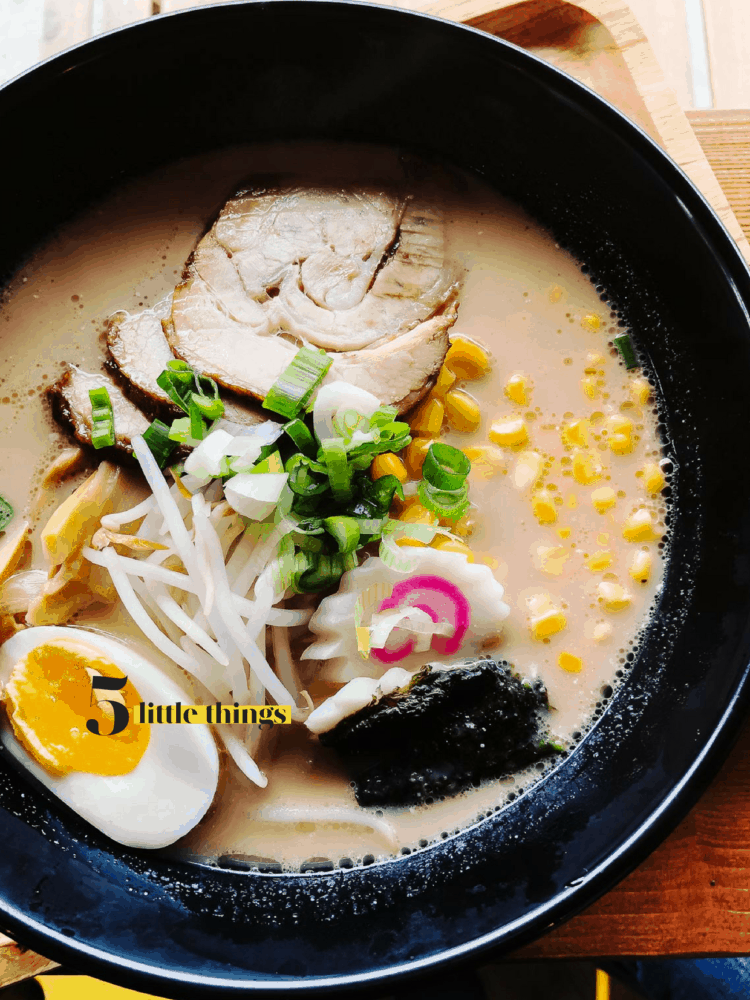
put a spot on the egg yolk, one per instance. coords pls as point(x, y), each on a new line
point(49, 698)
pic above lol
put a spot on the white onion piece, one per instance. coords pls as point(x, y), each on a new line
point(255, 495)
point(19, 590)
point(205, 459)
point(115, 521)
point(340, 409)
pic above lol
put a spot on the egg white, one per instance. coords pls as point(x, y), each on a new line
point(172, 786)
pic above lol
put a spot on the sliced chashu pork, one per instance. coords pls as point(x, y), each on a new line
point(70, 395)
point(140, 353)
point(361, 275)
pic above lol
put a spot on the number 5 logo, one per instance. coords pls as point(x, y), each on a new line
point(121, 716)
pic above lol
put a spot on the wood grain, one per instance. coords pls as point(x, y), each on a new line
point(725, 138)
point(728, 35)
point(665, 27)
point(117, 13)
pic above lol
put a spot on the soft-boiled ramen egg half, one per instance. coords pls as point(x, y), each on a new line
point(144, 787)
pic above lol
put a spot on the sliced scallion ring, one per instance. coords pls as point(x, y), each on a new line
point(161, 446)
point(296, 384)
point(445, 467)
point(6, 513)
point(345, 531)
point(102, 418)
point(339, 472)
point(302, 437)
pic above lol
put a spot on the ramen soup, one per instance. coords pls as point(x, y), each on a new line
point(458, 465)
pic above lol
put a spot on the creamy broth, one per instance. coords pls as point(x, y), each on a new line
point(528, 302)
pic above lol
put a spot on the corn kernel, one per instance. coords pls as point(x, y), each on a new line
point(452, 545)
point(572, 664)
point(509, 432)
point(586, 468)
point(599, 561)
point(591, 322)
point(428, 418)
point(415, 455)
point(466, 358)
point(564, 532)
point(548, 623)
point(589, 387)
point(446, 380)
point(639, 527)
point(462, 411)
point(653, 478)
point(640, 566)
point(516, 389)
point(575, 434)
point(551, 559)
point(465, 526)
point(486, 461)
point(620, 431)
point(613, 597)
point(544, 509)
point(601, 631)
point(640, 391)
point(416, 513)
point(388, 464)
point(528, 469)
point(603, 498)
point(407, 542)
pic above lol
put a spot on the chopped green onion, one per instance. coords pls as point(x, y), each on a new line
point(272, 463)
point(345, 531)
point(180, 432)
point(382, 491)
point(296, 384)
point(211, 409)
point(308, 543)
point(300, 433)
point(450, 504)
point(339, 473)
point(186, 388)
point(303, 476)
point(624, 345)
point(102, 419)
point(445, 467)
point(325, 572)
point(157, 437)
point(197, 424)
point(6, 513)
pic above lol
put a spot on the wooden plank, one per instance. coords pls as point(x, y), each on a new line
point(663, 23)
point(65, 23)
point(728, 35)
point(725, 138)
point(690, 897)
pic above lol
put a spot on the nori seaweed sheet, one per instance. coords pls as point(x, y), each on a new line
point(452, 728)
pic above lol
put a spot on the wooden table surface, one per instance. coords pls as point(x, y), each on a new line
point(692, 895)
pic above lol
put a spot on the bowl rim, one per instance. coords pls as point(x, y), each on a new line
point(683, 795)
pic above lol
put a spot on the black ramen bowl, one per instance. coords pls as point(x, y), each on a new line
point(129, 101)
